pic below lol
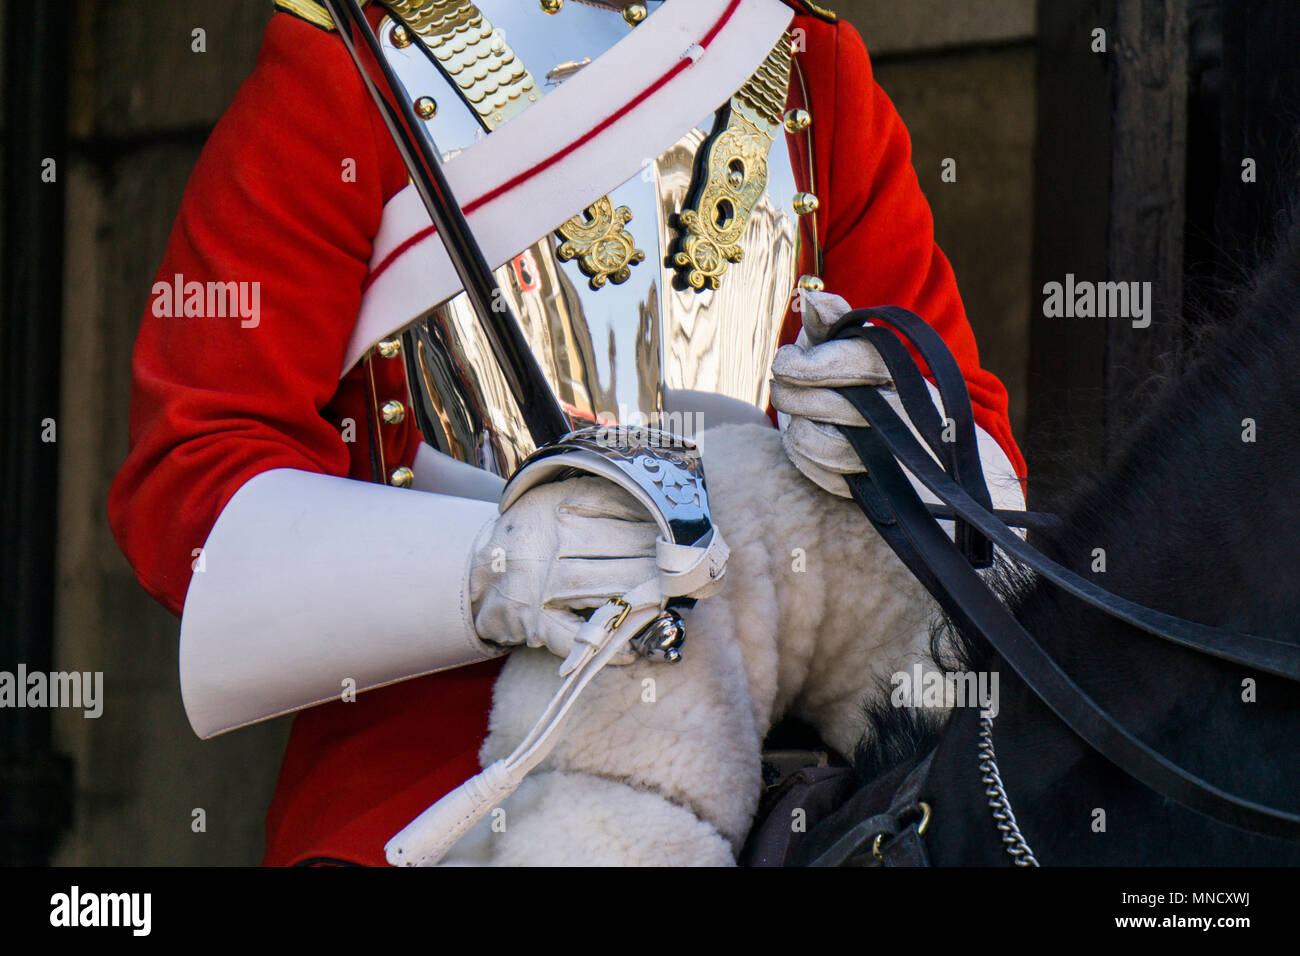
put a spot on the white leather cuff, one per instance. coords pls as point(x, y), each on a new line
point(310, 586)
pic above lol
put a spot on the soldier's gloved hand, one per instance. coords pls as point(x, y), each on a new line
point(563, 547)
point(803, 378)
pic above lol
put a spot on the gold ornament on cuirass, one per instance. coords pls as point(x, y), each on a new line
point(497, 86)
point(732, 175)
point(604, 249)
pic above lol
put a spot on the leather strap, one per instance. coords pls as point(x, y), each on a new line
point(904, 846)
point(1247, 650)
point(1033, 520)
point(894, 508)
point(427, 839)
point(602, 638)
point(1267, 654)
point(690, 569)
point(960, 454)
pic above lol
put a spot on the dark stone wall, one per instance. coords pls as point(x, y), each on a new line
point(962, 75)
point(142, 105)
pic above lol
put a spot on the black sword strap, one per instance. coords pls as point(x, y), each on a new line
point(957, 586)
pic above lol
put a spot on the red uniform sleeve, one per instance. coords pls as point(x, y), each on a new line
point(875, 224)
point(271, 204)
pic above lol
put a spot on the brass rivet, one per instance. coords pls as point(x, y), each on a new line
point(389, 348)
point(401, 36)
point(810, 283)
point(551, 7)
point(805, 203)
point(392, 412)
point(426, 107)
point(401, 477)
point(634, 13)
point(796, 121)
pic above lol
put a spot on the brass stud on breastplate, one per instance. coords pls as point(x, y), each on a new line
point(392, 412)
point(551, 7)
point(811, 283)
point(805, 204)
point(401, 477)
point(401, 36)
point(426, 107)
point(796, 121)
point(634, 13)
point(389, 348)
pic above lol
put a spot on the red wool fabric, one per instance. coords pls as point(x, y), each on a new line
point(214, 403)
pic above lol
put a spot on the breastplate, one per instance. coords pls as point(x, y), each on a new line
point(680, 278)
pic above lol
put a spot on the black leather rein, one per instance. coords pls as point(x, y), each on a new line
point(947, 568)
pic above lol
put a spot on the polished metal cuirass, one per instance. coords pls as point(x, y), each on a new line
point(679, 279)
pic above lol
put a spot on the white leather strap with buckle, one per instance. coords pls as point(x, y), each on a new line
point(690, 569)
point(687, 571)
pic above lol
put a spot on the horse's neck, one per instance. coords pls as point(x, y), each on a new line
point(1198, 512)
point(1197, 516)
point(1074, 807)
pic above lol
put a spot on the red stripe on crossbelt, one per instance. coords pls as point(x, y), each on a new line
point(556, 157)
point(388, 260)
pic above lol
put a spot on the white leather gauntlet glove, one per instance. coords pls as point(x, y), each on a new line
point(804, 375)
point(809, 411)
point(563, 547)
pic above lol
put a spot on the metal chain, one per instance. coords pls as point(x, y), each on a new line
point(1003, 817)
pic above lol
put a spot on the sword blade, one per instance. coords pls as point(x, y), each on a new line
point(536, 400)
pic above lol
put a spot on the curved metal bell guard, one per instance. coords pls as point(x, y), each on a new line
point(662, 471)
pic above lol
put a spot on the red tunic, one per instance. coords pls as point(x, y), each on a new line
point(214, 403)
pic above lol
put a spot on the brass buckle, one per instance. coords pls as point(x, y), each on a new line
point(920, 831)
point(624, 609)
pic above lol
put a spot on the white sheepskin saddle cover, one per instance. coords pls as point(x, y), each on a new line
point(660, 764)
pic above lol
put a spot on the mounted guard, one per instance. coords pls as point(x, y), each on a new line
point(623, 208)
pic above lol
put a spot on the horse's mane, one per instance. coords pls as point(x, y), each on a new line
point(1161, 492)
point(896, 733)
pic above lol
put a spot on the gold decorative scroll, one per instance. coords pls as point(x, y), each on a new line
point(734, 173)
point(604, 249)
point(497, 86)
point(311, 11)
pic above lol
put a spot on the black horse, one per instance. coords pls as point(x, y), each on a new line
point(1198, 516)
